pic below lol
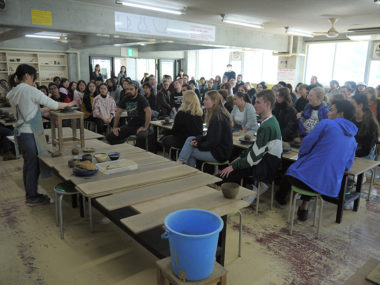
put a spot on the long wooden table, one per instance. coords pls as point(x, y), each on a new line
point(138, 201)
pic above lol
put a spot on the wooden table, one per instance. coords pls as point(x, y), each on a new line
point(56, 116)
point(359, 277)
point(139, 200)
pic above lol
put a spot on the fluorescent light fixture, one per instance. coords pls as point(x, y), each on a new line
point(43, 37)
point(235, 22)
point(152, 8)
point(298, 33)
point(359, 37)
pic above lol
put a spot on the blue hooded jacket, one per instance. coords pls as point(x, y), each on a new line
point(325, 154)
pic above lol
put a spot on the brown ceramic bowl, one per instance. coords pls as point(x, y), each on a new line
point(230, 190)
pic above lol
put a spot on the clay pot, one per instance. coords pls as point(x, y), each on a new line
point(230, 190)
point(75, 151)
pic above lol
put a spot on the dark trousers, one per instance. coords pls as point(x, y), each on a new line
point(31, 168)
point(101, 126)
point(286, 186)
point(172, 141)
point(4, 132)
point(237, 175)
point(126, 131)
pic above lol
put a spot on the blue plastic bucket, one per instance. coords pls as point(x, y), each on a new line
point(193, 238)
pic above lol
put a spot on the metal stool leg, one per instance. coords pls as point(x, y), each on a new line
point(320, 214)
point(90, 214)
point(272, 196)
point(293, 211)
point(373, 174)
point(315, 211)
point(258, 198)
point(203, 164)
point(240, 232)
point(61, 215)
point(84, 205)
point(56, 209)
point(290, 205)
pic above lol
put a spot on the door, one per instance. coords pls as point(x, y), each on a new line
point(166, 67)
point(106, 66)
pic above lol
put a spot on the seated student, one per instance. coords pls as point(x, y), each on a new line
point(71, 90)
point(113, 89)
point(226, 104)
point(139, 114)
point(263, 158)
point(302, 100)
point(103, 109)
point(217, 144)
point(202, 87)
point(44, 89)
point(193, 86)
point(325, 154)
point(163, 99)
point(5, 143)
point(373, 102)
point(346, 91)
point(64, 90)
point(314, 112)
point(286, 115)
point(79, 92)
point(250, 91)
point(368, 127)
point(88, 100)
point(188, 121)
point(152, 99)
point(176, 96)
point(57, 80)
point(228, 88)
point(292, 94)
point(244, 115)
point(54, 93)
point(334, 89)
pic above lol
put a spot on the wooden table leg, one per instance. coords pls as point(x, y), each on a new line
point(53, 138)
point(223, 280)
point(74, 128)
point(342, 194)
point(81, 132)
point(358, 190)
point(160, 277)
point(60, 134)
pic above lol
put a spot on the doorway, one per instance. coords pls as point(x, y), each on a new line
point(106, 66)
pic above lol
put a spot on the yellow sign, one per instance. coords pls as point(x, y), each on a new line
point(40, 17)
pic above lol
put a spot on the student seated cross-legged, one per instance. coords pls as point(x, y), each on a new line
point(325, 154)
point(263, 158)
point(188, 121)
point(139, 114)
point(216, 146)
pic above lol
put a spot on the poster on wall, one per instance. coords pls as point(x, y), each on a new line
point(146, 25)
point(286, 74)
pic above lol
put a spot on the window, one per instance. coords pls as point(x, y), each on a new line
point(259, 66)
point(214, 62)
point(145, 65)
point(339, 61)
point(374, 74)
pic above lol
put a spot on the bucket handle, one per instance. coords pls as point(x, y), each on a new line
point(165, 234)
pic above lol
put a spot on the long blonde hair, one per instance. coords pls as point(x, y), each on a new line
point(190, 103)
point(218, 109)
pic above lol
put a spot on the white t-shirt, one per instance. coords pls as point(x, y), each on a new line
point(28, 99)
point(239, 117)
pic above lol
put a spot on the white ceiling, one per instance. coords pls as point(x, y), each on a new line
point(305, 15)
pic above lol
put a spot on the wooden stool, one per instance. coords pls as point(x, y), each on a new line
point(165, 272)
point(215, 164)
point(59, 117)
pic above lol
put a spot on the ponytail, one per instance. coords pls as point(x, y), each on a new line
point(17, 77)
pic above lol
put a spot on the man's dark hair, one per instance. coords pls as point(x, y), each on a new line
point(309, 87)
point(283, 83)
point(52, 84)
point(188, 87)
point(347, 108)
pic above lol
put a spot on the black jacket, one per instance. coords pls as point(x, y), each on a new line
point(301, 103)
point(218, 139)
point(366, 141)
point(287, 118)
point(186, 125)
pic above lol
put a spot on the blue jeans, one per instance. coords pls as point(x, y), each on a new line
point(31, 168)
point(190, 154)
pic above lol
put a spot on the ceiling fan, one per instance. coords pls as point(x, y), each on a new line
point(63, 39)
point(332, 32)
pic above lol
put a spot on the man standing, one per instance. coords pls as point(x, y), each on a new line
point(139, 114)
point(263, 157)
point(229, 74)
point(325, 154)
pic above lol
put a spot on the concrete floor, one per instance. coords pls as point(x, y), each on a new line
point(31, 251)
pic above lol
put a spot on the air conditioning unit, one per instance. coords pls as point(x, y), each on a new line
point(236, 55)
point(376, 50)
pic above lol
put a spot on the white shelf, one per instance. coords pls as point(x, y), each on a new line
point(52, 65)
